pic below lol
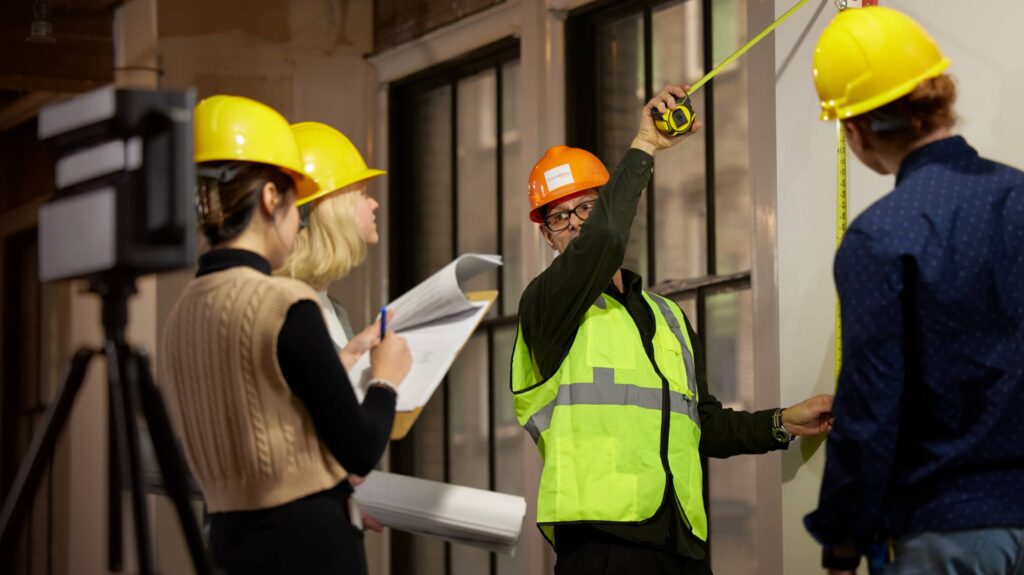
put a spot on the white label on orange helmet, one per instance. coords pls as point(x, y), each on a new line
point(558, 176)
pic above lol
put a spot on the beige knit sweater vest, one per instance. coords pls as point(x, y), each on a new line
point(249, 442)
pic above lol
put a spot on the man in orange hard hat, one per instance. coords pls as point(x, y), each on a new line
point(609, 382)
point(927, 456)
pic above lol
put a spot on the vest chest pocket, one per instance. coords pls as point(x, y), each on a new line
point(670, 361)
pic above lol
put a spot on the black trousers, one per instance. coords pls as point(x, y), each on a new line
point(583, 550)
point(311, 535)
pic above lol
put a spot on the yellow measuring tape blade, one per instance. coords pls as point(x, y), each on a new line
point(840, 155)
point(743, 49)
point(841, 213)
point(840, 228)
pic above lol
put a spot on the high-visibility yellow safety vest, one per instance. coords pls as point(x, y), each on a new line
point(600, 419)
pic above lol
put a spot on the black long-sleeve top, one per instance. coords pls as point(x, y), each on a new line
point(355, 434)
point(554, 303)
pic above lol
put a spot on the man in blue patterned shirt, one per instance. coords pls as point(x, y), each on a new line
point(927, 453)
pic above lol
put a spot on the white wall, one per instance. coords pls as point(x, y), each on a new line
point(979, 37)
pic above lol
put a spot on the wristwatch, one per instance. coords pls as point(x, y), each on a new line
point(779, 431)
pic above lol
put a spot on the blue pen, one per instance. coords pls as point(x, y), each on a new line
point(383, 320)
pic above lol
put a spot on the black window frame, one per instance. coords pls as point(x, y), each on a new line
point(583, 105)
point(403, 214)
point(23, 399)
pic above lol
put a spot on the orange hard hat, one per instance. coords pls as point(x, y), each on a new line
point(563, 172)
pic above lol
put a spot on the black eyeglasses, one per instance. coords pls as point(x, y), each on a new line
point(558, 221)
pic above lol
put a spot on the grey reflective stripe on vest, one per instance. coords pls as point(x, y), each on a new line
point(677, 330)
point(604, 391)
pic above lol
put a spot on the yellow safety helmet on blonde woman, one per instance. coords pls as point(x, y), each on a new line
point(869, 57)
point(332, 160)
point(233, 128)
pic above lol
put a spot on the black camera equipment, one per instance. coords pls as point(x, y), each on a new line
point(123, 208)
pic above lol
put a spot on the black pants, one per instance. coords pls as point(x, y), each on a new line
point(311, 535)
point(583, 550)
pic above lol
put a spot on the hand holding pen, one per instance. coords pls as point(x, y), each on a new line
point(391, 359)
point(364, 341)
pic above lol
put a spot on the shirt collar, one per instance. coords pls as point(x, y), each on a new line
point(934, 152)
point(224, 258)
point(631, 282)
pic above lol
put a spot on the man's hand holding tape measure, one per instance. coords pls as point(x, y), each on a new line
point(671, 113)
point(670, 100)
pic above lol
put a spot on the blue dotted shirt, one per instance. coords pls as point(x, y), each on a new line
point(929, 432)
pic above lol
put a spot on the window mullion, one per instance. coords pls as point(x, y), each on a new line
point(499, 153)
point(454, 167)
point(648, 33)
point(709, 136)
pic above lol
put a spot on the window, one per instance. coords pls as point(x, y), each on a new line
point(456, 128)
point(691, 239)
point(25, 388)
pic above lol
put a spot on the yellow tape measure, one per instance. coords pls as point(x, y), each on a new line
point(840, 229)
point(841, 194)
point(675, 121)
point(678, 119)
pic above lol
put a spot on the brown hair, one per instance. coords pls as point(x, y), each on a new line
point(928, 108)
point(227, 194)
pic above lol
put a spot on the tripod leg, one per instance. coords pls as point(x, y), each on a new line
point(171, 466)
point(122, 388)
point(41, 450)
point(115, 488)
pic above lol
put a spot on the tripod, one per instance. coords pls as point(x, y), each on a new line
point(131, 386)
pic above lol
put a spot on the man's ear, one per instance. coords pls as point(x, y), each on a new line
point(270, 199)
point(544, 231)
point(856, 134)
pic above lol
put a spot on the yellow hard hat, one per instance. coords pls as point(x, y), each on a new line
point(869, 57)
point(233, 128)
point(330, 158)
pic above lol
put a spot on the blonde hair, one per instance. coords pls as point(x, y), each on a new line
point(330, 246)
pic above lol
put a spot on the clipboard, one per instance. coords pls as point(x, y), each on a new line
point(404, 420)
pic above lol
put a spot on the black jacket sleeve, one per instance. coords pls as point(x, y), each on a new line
point(725, 432)
point(355, 435)
point(554, 303)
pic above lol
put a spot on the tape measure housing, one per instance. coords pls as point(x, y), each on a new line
point(675, 121)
